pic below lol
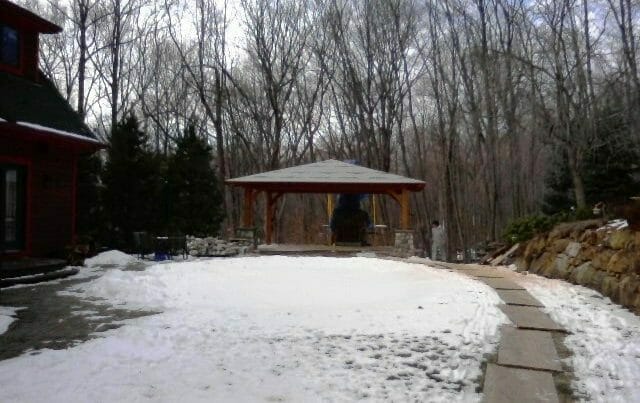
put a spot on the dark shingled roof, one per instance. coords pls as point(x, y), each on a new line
point(328, 175)
point(38, 103)
point(24, 18)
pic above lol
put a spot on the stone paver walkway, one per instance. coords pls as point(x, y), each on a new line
point(504, 384)
point(518, 297)
point(500, 283)
point(528, 349)
point(527, 356)
point(529, 317)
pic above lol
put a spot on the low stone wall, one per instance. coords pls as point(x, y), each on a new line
point(591, 254)
point(211, 246)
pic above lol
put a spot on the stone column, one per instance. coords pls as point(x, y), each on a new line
point(403, 243)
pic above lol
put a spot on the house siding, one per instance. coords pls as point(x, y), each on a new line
point(50, 193)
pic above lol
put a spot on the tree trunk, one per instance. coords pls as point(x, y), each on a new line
point(576, 178)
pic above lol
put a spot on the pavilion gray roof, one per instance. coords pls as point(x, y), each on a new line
point(320, 176)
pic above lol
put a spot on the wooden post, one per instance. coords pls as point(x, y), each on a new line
point(405, 221)
point(268, 219)
point(373, 207)
point(272, 198)
point(402, 198)
point(247, 210)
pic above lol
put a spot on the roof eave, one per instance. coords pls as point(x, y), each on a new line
point(328, 187)
point(28, 19)
point(84, 142)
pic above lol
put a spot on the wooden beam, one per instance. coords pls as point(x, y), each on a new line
point(395, 195)
point(324, 187)
point(247, 208)
point(405, 213)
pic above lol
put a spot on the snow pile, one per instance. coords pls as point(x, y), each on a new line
point(614, 225)
point(275, 329)
point(7, 314)
point(111, 257)
point(604, 339)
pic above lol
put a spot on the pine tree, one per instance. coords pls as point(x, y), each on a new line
point(89, 211)
point(609, 170)
point(559, 195)
point(194, 196)
point(131, 184)
point(609, 176)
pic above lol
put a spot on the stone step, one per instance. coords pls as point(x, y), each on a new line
point(508, 385)
point(38, 278)
point(518, 297)
point(474, 270)
point(530, 317)
point(529, 349)
point(485, 274)
point(500, 283)
point(29, 267)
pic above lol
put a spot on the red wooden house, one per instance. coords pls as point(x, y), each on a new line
point(41, 139)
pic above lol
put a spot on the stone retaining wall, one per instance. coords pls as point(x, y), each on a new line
point(590, 254)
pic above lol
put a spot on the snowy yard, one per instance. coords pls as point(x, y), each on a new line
point(274, 329)
point(309, 329)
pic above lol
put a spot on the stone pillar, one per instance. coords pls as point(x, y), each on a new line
point(403, 243)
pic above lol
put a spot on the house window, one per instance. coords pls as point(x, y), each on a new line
point(12, 207)
point(9, 46)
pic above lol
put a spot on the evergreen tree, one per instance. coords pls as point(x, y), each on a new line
point(88, 208)
point(132, 184)
point(194, 197)
point(559, 195)
point(609, 176)
point(609, 171)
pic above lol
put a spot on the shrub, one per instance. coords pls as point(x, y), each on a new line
point(525, 228)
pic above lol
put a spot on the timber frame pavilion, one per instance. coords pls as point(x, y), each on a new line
point(330, 176)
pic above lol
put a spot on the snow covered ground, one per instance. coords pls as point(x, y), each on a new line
point(273, 329)
point(299, 329)
point(604, 339)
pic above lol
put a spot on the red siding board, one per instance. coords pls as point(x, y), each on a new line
point(50, 193)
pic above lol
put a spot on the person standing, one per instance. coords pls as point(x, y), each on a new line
point(437, 241)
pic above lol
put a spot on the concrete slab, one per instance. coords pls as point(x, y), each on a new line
point(500, 283)
point(518, 297)
point(530, 317)
point(508, 385)
point(529, 349)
